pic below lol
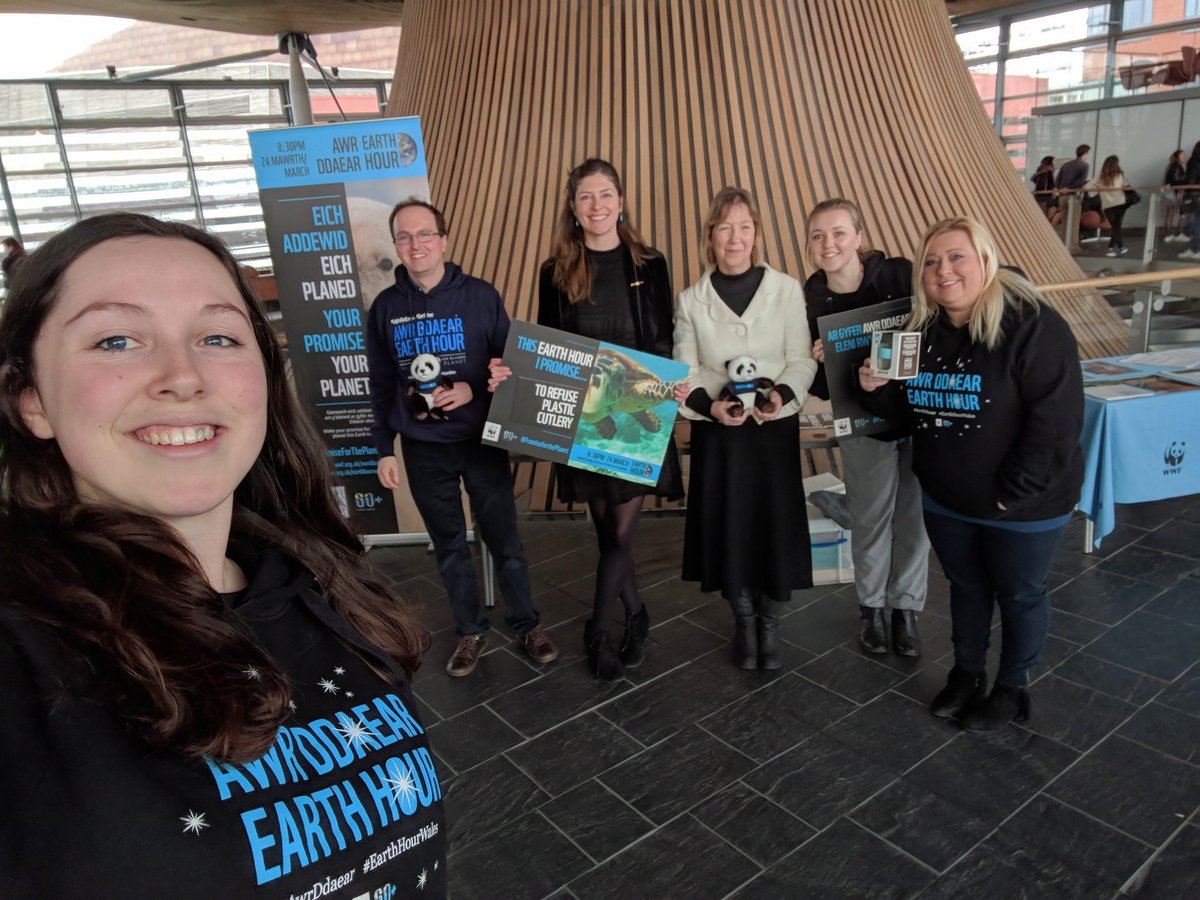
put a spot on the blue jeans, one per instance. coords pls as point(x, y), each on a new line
point(989, 566)
point(434, 471)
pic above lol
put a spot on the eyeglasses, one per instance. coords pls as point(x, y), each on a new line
point(403, 238)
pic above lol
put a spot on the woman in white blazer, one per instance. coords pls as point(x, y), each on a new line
point(747, 530)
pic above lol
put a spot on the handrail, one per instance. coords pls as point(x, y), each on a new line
point(1134, 278)
point(1136, 187)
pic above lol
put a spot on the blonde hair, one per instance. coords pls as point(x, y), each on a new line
point(856, 219)
point(1000, 288)
point(726, 199)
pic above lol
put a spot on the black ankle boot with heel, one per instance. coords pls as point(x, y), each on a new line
point(963, 690)
point(601, 655)
point(905, 639)
point(633, 645)
point(872, 633)
point(745, 636)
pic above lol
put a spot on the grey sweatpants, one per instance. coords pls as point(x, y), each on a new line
point(888, 542)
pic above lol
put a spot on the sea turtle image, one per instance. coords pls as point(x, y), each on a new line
point(621, 385)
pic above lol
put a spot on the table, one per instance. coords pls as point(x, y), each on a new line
point(1136, 449)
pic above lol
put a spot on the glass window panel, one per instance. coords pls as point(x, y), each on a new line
point(1191, 9)
point(979, 43)
point(1058, 28)
point(106, 147)
point(1016, 151)
point(115, 103)
point(222, 184)
point(158, 191)
point(218, 144)
point(40, 195)
point(356, 102)
point(243, 101)
point(29, 151)
point(1137, 14)
point(24, 104)
point(1153, 62)
point(1016, 116)
point(1060, 76)
point(984, 77)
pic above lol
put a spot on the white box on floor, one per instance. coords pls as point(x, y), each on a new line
point(831, 560)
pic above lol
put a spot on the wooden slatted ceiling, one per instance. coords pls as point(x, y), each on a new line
point(795, 101)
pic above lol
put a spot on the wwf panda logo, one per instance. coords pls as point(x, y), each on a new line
point(1173, 455)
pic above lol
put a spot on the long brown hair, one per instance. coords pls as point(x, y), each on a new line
point(1111, 170)
point(572, 274)
point(122, 591)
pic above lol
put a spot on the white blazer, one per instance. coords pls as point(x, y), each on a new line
point(773, 330)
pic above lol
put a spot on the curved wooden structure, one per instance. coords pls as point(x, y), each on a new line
point(795, 101)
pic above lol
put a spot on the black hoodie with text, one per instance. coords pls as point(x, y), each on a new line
point(461, 321)
point(345, 804)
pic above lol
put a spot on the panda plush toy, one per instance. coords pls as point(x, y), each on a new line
point(425, 374)
point(745, 388)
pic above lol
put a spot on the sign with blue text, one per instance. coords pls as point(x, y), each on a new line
point(846, 340)
point(326, 193)
point(585, 403)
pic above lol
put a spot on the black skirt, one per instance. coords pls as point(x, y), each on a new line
point(580, 485)
point(747, 527)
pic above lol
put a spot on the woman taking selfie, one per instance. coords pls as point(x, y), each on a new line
point(995, 415)
point(204, 690)
point(746, 533)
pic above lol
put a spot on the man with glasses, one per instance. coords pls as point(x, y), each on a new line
point(435, 308)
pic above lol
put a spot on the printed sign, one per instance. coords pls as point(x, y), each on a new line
point(326, 193)
point(846, 338)
point(585, 403)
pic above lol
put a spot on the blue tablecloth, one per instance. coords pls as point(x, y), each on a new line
point(1136, 450)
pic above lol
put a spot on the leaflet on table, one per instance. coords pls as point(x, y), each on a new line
point(1180, 358)
point(1190, 377)
point(1114, 369)
point(846, 339)
point(585, 403)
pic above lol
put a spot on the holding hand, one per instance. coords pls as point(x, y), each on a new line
point(727, 412)
point(772, 409)
point(682, 392)
point(867, 379)
point(818, 351)
point(498, 373)
point(458, 394)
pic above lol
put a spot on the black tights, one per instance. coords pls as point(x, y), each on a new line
point(615, 575)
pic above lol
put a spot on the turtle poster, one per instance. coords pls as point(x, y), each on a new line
point(585, 403)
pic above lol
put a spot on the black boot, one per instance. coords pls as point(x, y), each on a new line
point(962, 691)
point(745, 640)
point(1003, 705)
point(873, 632)
point(905, 640)
point(633, 645)
point(601, 656)
point(768, 632)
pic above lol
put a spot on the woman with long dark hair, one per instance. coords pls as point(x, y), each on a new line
point(747, 528)
point(1175, 174)
point(603, 281)
point(999, 478)
point(1111, 185)
point(204, 689)
point(1043, 184)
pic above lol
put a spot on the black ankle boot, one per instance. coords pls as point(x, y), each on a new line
point(633, 645)
point(601, 656)
point(905, 639)
point(768, 633)
point(745, 639)
point(962, 691)
point(1003, 705)
point(872, 634)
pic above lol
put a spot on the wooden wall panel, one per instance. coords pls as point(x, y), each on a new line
point(797, 101)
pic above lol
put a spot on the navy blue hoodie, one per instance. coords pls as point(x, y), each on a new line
point(463, 322)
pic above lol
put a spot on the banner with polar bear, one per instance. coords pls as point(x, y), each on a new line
point(585, 403)
point(326, 193)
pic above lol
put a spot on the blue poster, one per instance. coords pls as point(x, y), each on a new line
point(327, 192)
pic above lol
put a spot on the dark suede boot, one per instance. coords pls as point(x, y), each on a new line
point(1003, 705)
point(872, 634)
point(905, 639)
point(962, 691)
point(633, 645)
point(745, 640)
point(601, 655)
point(768, 632)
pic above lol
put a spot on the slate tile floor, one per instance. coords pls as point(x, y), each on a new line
point(828, 778)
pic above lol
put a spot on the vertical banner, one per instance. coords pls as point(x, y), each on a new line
point(326, 193)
